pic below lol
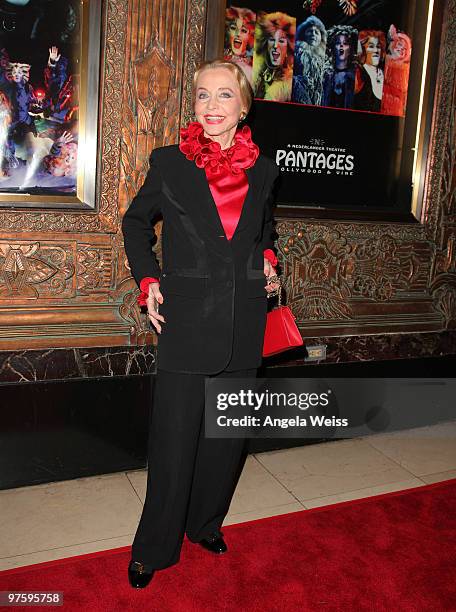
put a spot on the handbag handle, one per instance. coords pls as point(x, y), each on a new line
point(278, 292)
point(273, 279)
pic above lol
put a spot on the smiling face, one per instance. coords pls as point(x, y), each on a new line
point(398, 50)
point(239, 37)
point(373, 51)
point(277, 48)
point(218, 101)
point(400, 47)
point(312, 36)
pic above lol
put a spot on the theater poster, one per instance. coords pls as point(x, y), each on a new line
point(44, 70)
point(335, 82)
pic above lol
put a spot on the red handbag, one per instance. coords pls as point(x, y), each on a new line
point(281, 331)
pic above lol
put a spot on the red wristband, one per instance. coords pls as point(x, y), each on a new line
point(144, 286)
point(270, 256)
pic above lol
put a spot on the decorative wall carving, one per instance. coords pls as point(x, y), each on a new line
point(149, 51)
point(445, 299)
point(439, 195)
point(140, 330)
point(94, 268)
point(440, 207)
point(30, 270)
point(65, 273)
point(369, 277)
point(354, 275)
point(196, 25)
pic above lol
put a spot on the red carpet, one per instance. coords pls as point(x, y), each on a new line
point(392, 552)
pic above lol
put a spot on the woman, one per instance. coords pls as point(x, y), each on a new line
point(397, 68)
point(339, 75)
point(240, 38)
point(273, 57)
point(214, 194)
point(369, 78)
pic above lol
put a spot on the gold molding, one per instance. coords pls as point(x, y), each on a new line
point(378, 277)
point(104, 218)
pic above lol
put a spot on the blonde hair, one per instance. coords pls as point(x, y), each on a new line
point(243, 82)
point(268, 24)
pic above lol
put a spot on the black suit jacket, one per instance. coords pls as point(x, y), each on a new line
point(215, 302)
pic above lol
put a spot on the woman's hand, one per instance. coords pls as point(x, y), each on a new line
point(269, 270)
point(54, 55)
point(65, 138)
point(155, 297)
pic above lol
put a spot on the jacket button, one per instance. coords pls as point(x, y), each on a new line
point(229, 284)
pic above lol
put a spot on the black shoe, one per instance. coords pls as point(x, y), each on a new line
point(214, 542)
point(138, 576)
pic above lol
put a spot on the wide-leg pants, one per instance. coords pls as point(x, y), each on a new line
point(191, 478)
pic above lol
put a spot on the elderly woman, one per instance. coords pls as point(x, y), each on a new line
point(208, 304)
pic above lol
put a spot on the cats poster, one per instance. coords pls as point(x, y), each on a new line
point(331, 85)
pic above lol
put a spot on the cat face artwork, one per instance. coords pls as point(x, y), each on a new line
point(400, 45)
point(342, 50)
point(277, 48)
point(18, 72)
point(373, 51)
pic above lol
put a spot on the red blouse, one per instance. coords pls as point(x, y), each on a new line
point(225, 172)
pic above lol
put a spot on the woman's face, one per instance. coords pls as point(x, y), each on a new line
point(70, 158)
point(19, 72)
point(239, 37)
point(342, 50)
point(218, 102)
point(399, 49)
point(373, 51)
point(57, 167)
point(277, 48)
point(312, 36)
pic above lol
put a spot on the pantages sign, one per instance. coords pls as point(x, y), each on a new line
point(316, 158)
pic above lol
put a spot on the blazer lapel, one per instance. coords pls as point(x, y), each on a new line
point(206, 207)
point(248, 207)
point(191, 182)
point(199, 196)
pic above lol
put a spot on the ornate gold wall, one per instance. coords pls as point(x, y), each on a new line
point(64, 277)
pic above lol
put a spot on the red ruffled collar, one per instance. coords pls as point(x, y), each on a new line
point(208, 154)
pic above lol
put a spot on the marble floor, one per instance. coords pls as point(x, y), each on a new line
point(74, 517)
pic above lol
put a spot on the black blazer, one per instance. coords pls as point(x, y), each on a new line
point(213, 288)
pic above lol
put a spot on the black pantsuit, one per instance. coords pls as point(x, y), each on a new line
point(215, 305)
point(191, 478)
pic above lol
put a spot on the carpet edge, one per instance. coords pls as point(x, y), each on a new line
point(112, 551)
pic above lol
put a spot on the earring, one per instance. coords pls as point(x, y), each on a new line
point(242, 117)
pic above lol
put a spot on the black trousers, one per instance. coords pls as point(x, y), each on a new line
point(191, 479)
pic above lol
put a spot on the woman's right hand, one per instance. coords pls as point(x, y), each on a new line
point(155, 298)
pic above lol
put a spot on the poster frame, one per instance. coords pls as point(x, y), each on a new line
point(88, 124)
point(417, 149)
